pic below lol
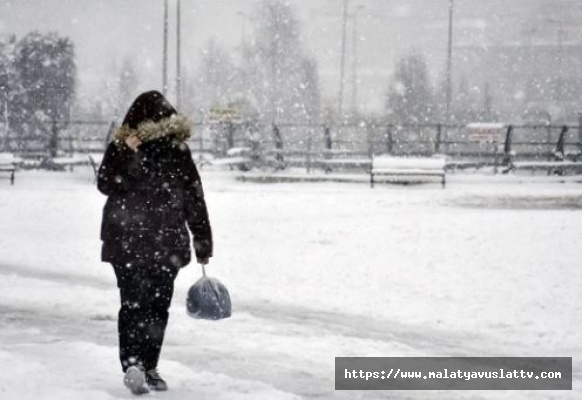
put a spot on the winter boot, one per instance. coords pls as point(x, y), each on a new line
point(135, 380)
point(155, 381)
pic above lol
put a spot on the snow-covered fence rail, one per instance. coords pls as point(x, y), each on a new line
point(561, 160)
point(349, 146)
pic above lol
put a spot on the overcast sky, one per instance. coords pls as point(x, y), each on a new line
point(106, 31)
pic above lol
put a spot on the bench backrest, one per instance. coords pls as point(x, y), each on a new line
point(8, 159)
point(418, 163)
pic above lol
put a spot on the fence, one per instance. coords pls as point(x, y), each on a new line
point(52, 138)
point(531, 142)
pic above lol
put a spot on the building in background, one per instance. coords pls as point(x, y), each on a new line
point(529, 71)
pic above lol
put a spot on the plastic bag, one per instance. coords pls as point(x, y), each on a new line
point(208, 298)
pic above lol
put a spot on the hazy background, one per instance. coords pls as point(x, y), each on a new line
point(106, 31)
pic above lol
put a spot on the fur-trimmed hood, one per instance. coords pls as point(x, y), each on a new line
point(177, 125)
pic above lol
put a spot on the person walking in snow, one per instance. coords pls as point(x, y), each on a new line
point(154, 196)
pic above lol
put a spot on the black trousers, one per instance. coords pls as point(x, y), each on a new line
point(146, 293)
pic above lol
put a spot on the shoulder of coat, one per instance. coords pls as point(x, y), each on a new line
point(177, 125)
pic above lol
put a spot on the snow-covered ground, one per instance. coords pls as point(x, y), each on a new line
point(315, 271)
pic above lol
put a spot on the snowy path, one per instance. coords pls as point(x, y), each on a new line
point(316, 271)
point(65, 337)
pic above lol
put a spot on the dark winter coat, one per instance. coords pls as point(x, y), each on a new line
point(154, 194)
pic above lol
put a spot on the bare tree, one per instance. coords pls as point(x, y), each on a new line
point(128, 84)
point(8, 80)
point(309, 93)
point(284, 82)
point(410, 97)
point(216, 79)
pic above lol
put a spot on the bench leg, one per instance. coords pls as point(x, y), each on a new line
point(444, 181)
point(372, 180)
point(12, 178)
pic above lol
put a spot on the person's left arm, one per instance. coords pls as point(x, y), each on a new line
point(196, 210)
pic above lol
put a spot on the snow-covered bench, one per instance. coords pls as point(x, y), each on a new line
point(9, 163)
point(342, 164)
point(396, 167)
point(239, 157)
point(71, 161)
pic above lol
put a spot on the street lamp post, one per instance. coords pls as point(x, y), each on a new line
point(355, 60)
point(558, 87)
point(165, 51)
point(449, 94)
point(178, 57)
point(343, 60)
point(560, 63)
point(243, 39)
point(5, 109)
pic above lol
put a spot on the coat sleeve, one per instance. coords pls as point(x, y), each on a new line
point(119, 170)
point(195, 208)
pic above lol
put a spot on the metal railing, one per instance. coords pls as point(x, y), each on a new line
point(532, 142)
